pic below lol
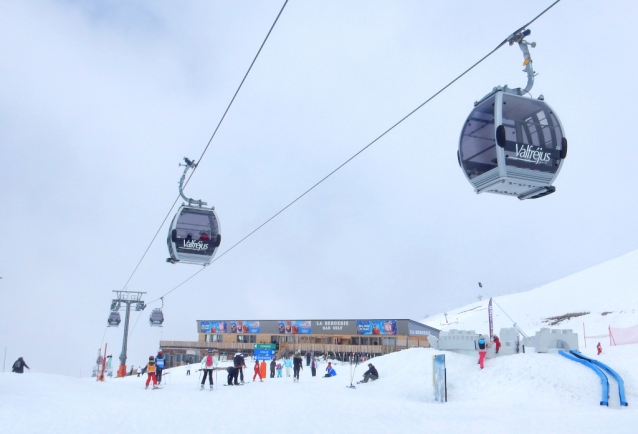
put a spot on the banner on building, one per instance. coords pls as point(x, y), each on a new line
point(294, 327)
point(213, 327)
point(244, 327)
point(439, 380)
point(381, 327)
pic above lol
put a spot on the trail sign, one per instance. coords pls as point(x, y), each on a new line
point(265, 346)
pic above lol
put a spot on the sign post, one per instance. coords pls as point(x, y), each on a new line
point(439, 379)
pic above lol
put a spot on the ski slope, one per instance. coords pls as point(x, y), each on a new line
point(528, 393)
point(524, 393)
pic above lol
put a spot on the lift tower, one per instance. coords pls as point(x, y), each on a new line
point(124, 300)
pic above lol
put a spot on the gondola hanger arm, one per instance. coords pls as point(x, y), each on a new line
point(189, 165)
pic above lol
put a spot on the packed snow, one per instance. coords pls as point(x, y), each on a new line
point(523, 393)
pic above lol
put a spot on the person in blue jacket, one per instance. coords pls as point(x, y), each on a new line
point(330, 372)
point(159, 366)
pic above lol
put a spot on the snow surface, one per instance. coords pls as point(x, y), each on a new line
point(524, 393)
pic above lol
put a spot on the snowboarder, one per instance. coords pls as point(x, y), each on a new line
point(370, 374)
point(288, 365)
point(279, 370)
point(273, 365)
point(298, 365)
point(599, 348)
point(19, 365)
point(313, 366)
point(150, 369)
point(482, 350)
point(497, 343)
point(207, 368)
point(257, 371)
point(159, 364)
point(139, 371)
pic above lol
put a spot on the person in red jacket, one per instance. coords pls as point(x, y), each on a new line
point(257, 371)
point(599, 348)
point(497, 343)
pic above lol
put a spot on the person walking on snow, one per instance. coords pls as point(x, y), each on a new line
point(288, 365)
point(150, 369)
point(257, 371)
point(19, 365)
point(207, 369)
point(273, 365)
point(497, 343)
point(298, 362)
point(279, 369)
point(482, 350)
point(240, 364)
point(599, 348)
point(139, 371)
point(159, 365)
point(313, 366)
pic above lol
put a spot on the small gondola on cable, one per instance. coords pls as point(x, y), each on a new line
point(157, 316)
point(114, 319)
point(512, 144)
point(194, 234)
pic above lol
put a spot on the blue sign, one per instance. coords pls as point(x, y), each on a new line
point(264, 353)
point(439, 379)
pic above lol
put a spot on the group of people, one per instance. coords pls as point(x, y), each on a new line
point(483, 346)
point(154, 369)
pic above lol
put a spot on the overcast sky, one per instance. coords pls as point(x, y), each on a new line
point(99, 102)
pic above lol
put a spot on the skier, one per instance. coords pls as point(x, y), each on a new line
point(599, 348)
point(313, 366)
point(497, 342)
point(159, 363)
point(370, 374)
point(19, 365)
point(207, 368)
point(232, 375)
point(288, 365)
point(273, 365)
point(279, 370)
point(240, 364)
point(139, 371)
point(257, 371)
point(150, 369)
point(298, 362)
point(482, 350)
point(307, 358)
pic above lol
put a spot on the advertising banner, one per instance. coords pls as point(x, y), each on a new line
point(244, 327)
point(294, 327)
point(380, 327)
point(489, 311)
point(439, 380)
point(213, 327)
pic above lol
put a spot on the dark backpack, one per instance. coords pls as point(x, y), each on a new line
point(481, 343)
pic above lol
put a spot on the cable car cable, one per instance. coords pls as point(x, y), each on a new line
point(210, 140)
point(365, 147)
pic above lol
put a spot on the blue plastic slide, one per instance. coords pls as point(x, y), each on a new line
point(618, 378)
point(596, 369)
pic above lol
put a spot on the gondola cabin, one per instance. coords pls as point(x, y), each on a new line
point(512, 145)
point(157, 318)
point(194, 236)
point(114, 319)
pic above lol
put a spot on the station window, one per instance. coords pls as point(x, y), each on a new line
point(389, 341)
point(365, 341)
point(354, 341)
point(213, 338)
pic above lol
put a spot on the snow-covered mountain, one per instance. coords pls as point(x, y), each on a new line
point(603, 295)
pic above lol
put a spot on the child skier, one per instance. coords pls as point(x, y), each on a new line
point(207, 369)
point(482, 350)
point(150, 369)
point(257, 371)
point(497, 343)
point(599, 348)
point(279, 369)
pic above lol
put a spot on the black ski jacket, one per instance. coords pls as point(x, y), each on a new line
point(372, 371)
point(19, 365)
point(297, 361)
